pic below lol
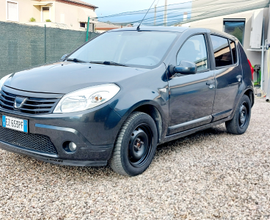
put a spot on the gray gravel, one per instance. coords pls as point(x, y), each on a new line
point(208, 175)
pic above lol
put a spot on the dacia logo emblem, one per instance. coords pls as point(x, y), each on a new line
point(19, 101)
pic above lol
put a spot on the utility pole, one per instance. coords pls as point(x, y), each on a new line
point(45, 44)
point(165, 13)
point(87, 32)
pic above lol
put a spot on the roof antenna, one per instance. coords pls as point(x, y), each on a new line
point(138, 28)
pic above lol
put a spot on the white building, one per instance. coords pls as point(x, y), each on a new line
point(250, 26)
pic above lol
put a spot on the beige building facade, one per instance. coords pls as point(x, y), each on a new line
point(72, 14)
point(101, 27)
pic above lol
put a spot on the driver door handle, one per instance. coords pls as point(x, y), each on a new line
point(211, 83)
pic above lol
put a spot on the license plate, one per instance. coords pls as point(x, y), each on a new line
point(15, 123)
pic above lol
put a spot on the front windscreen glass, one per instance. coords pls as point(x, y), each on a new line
point(127, 48)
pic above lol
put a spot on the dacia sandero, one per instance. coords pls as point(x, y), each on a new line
point(117, 97)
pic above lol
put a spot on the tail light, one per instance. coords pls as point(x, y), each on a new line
point(251, 69)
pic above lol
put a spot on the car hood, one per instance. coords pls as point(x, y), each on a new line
point(64, 77)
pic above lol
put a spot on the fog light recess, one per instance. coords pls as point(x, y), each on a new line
point(69, 146)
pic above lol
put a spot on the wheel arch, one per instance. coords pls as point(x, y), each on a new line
point(249, 93)
point(153, 110)
point(155, 115)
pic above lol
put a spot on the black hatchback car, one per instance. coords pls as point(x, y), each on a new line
point(117, 97)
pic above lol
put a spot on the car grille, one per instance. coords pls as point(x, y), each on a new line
point(34, 142)
point(31, 105)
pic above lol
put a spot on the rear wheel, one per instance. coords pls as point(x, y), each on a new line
point(240, 121)
point(135, 146)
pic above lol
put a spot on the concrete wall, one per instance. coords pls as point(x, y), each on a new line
point(266, 83)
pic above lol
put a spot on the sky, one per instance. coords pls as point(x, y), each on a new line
point(109, 7)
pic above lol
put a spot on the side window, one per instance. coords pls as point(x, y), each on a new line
point(222, 51)
point(234, 54)
point(194, 50)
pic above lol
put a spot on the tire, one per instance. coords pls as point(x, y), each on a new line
point(240, 121)
point(135, 145)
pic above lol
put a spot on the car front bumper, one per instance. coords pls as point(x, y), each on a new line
point(93, 132)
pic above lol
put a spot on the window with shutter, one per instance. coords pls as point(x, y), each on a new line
point(12, 11)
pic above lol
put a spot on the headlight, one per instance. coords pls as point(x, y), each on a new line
point(86, 98)
point(2, 81)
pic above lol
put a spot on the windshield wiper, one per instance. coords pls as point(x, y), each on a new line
point(108, 63)
point(76, 60)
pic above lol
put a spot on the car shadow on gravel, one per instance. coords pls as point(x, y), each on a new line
point(27, 164)
point(31, 165)
point(195, 139)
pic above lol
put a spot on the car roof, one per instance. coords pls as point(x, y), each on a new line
point(154, 28)
point(220, 33)
point(177, 30)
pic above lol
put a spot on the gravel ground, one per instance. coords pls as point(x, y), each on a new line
point(208, 175)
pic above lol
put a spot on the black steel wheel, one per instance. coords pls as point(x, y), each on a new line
point(135, 146)
point(240, 121)
point(243, 115)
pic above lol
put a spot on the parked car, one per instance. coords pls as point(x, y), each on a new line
point(117, 97)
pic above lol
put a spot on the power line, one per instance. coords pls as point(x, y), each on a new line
point(195, 11)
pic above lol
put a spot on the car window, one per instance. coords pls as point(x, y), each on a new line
point(222, 52)
point(233, 48)
point(194, 50)
point(131, 48)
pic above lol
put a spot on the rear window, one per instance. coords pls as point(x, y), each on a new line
point(225, 53)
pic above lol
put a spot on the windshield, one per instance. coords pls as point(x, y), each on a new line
point(127, 48)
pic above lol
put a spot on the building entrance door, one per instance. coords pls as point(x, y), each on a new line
point(45, 13)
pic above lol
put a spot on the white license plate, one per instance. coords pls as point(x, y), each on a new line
point(15, 123)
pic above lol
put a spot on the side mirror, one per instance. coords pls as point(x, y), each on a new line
point(64, 57)
point(185, 67)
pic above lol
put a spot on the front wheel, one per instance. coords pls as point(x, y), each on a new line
point(135, 145)
point(240, 121)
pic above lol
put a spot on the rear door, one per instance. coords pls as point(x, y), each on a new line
point(192, 96)
point(228, 75)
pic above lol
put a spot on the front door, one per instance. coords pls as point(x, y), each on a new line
point(192, 96)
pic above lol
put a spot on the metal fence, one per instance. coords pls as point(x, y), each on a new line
point(26, 46)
